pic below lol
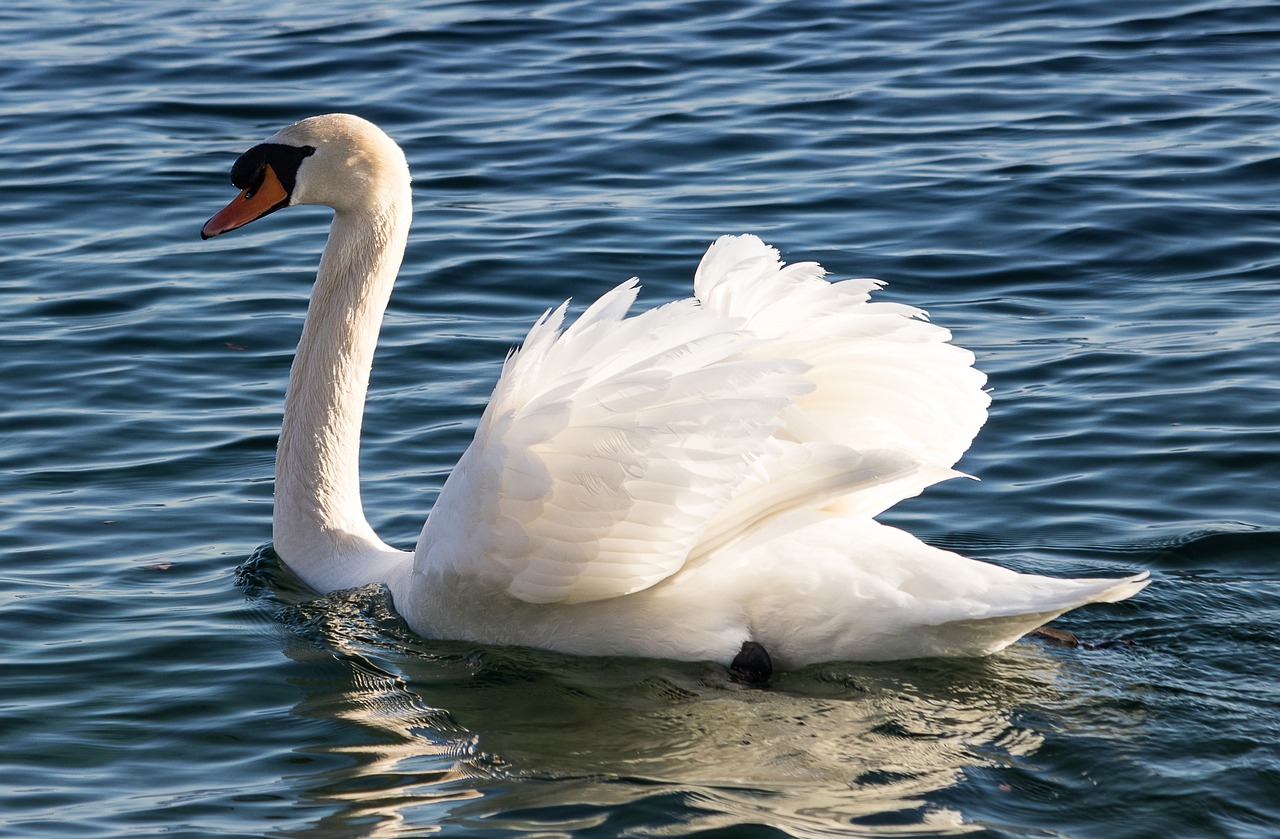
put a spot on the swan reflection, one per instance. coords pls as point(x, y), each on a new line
point(443, 735)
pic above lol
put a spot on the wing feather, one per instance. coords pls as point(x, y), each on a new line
point(884, 377)
point(607, 450)
point(617, 449)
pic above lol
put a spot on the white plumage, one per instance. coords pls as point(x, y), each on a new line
point(669, 484)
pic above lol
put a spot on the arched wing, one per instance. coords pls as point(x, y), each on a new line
point(885, 378)
point(618, 449)
point(607, 450)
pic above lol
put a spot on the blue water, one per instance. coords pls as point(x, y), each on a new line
point(1085, 192)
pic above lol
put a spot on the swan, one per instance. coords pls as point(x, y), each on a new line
point(696, 482)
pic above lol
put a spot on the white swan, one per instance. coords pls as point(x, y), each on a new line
point(693, 483)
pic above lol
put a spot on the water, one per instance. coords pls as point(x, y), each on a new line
point(1085, 192)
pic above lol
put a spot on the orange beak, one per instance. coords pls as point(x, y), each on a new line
point(251, 204)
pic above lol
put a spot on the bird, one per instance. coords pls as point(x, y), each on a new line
point(699, 482)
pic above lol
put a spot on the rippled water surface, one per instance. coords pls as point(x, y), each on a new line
point(1085, 192)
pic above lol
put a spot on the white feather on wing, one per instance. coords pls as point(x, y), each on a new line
point(617, 449)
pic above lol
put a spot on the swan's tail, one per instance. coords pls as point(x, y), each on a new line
point(1003, 626)
point(1115, 590)
point(895, 597)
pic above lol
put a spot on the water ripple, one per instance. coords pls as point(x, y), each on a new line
point(1084, 192)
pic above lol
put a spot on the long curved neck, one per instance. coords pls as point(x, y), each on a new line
point(318, 525)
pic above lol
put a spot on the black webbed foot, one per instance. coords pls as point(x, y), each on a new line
point(1055, 637)
point(751, 665)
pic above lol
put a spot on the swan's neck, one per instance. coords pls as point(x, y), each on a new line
point(318, 526)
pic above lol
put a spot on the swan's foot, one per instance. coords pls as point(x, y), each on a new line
point(1054, 637)
point(752, 664)
point(1061, 638)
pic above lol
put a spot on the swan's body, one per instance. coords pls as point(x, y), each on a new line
point(669, 485)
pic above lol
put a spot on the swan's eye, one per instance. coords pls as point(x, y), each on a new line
point(257, 183)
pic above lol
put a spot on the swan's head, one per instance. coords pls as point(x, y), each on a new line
point(339, 160)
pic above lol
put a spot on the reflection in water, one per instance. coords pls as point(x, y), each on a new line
point(505, 740)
